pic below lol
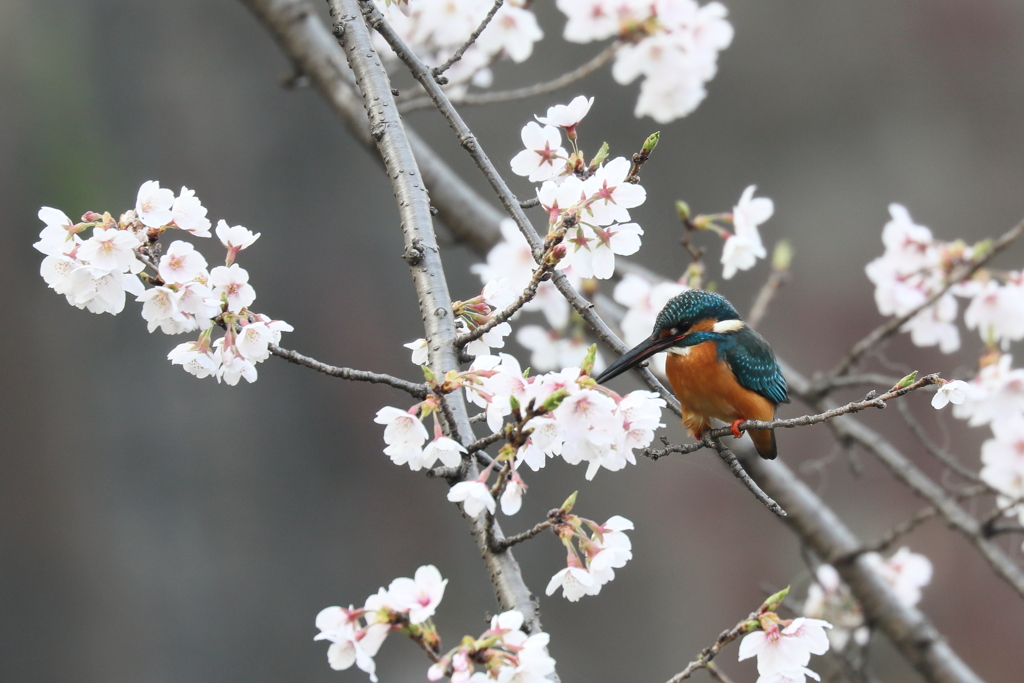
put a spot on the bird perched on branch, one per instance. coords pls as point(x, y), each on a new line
point(718, 366)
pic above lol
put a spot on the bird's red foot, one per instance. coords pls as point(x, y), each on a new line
point(736, 427)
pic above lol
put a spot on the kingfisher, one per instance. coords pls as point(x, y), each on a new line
point(717, 365)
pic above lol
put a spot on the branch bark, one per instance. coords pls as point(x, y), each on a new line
point(428, 273)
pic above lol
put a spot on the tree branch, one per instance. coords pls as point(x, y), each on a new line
point(427, 271)
point(499, 96)
point(415, 390)
point(472, 39)
point(803, 421)
point(730, 460)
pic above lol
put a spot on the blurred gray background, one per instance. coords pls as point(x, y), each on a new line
point(156, 528)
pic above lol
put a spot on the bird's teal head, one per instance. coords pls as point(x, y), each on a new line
point(695, 310)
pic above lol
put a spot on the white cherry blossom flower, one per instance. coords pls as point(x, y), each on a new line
point(419, 351)
point(254, 339)
point(194, 359)
point(997, 311)
point(544, 157)
point(512, 496)
point(153, 205)
point(197, 299)
point(235, 238)
point(474, 496)
point(181, 263)
point(574, 581)
point(743, 248)
point(906, 572)
point(447, 450)
point(786, 651)
point(110, 250)
point(419, 596)
point(232, 283)
point(233, 366)
point(189, 214)
point(58, 237)
point(951, 392)
point(404, 435)
point(348, 645)
point(160, 309)
point(513, 30)
point(568, 116)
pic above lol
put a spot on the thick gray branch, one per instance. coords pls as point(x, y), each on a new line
point(424, 260)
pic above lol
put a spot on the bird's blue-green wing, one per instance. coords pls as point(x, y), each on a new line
point(754, 364)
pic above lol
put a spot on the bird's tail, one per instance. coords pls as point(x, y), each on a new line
point(764, 442)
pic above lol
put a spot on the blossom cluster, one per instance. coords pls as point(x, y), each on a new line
point(606, 549)
point(915, 266)
point(184, 296)
point(357, 633)
point(829, 598)
point(673, 44)
point(435, 29)
point(507, 653)
point(593, 200)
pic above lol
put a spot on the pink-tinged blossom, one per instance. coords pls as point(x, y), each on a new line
point(197, 299)
point(936, 326)
point(951, 392)
point(153, 205)
point(544, 157)
point(906, 573)
point(349, 644)
point(513, 30)
point(593, 249)
point(474, 496)
point(608, 195)
point(418, 596)
point(508, 627)
point(829, 598)
point(181, 263)
point(232, 283)
point(786, 651)
point(189, 214)
point(233, 366)
point(235, 239)
point(419, 351)
point(995, 395)
point(568, 116)
point(111, 250)
point(997, 312)
point(404, 436)
point(98, 291)
point(195, 359)
point(533, 663)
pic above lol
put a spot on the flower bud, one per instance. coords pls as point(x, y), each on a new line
point(650, 143)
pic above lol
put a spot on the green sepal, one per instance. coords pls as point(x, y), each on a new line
point(773, 601)
point(588, 362)
point(907, 381)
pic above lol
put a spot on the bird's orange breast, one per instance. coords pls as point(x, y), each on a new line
point(707, 388)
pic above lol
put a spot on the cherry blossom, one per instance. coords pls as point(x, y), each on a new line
point(404, 435)
point(58, 237)
point(110, 250)
point(743, 248)
point(997, 312)
point(154, 204)
point(233, 365)
point(574, 581)
point(420, 595)
point(254, 339)
point(232, 284)
point(195, 359)
point(188, 214)
point(830, 599)
point(996, 395)
point(951, 392)
point(235, 239)
point(181, 263)
point(906, 573)
point(349, 644)
point(447, 450)
point(785, 653)
point(512, 496)
point(544, 157)
point(568, 116)
point(474, 496)
point(419, 351)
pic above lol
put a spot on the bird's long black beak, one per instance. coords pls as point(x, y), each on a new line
point(638, 353)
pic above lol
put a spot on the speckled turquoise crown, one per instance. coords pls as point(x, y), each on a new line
point(693, 305)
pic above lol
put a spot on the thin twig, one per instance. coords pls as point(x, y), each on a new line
point(530, 203)
point(775, 280)
point(476, 99)
point(709, 653)
point(415, 390)
point(484, 442)
point(730, 460)
point(539, 275)
point(505, 543)
point(472, 39)
point(803, 421)
point(890, 327)
point(943, 456)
